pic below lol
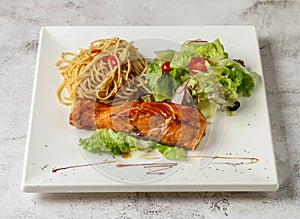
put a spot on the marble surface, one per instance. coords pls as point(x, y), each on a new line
point(278, 29)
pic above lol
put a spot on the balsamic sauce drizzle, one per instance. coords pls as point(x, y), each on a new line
point(84, 165)
point(161, 166)
point(165, 166)
point(247, 160)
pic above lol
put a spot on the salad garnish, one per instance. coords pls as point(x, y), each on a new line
point(117, 143)
point(214, 81)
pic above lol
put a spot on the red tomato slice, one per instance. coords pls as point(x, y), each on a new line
point(105, 58)
point(112, 61)
point(197, 64)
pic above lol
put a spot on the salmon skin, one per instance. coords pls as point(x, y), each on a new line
point(162, 122)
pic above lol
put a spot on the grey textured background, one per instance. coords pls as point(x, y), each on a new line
point(277, 24)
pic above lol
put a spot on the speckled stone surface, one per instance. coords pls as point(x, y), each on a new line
point(278, 28)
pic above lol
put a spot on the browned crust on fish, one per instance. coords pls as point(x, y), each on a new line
point(163, 122)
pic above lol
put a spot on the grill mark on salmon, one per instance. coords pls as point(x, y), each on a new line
point(162, 122)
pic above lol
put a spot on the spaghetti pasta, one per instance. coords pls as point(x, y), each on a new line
point(98, 73)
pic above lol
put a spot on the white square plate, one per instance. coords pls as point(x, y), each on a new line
point(52, 143)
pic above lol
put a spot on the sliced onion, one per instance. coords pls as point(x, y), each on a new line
point(180, 93)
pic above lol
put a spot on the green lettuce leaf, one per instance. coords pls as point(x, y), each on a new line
point(182, 59)
point(210, 50)
point(164, 89)
point(163, 56)
point(162, 86)
point(206, 92)
point(106, 140)
point(180, 74)
point(221, 85)
point(213, 51)
point(235, 80)
point(247, 86)
point(171, 153)
point(154, 72)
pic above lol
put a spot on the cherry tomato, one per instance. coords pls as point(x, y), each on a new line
point(197, 64)
point(96, 51)
point(166, 67)
point(112, 61)
point(105, 58)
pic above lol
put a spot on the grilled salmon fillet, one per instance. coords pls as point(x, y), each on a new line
point(163, 122)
